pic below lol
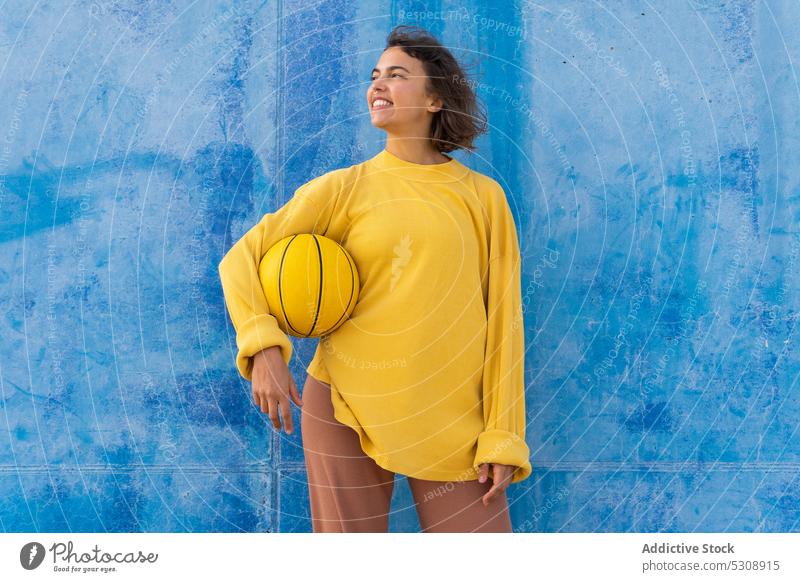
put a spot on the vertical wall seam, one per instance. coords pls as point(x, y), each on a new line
point(274, 443)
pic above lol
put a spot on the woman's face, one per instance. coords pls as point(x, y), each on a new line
point(400, 79)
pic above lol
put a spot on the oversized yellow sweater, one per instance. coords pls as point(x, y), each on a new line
point(429, 367)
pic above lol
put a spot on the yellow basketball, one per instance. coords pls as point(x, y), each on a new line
point(311, 284)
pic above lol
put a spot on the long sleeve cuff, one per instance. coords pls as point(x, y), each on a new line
point(505, 448)
point(258, 333)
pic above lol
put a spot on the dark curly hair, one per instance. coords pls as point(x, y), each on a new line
point(461, 118)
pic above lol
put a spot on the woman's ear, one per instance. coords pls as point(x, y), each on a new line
point(435, 104)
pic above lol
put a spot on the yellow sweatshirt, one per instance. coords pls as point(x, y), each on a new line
point(429, 367)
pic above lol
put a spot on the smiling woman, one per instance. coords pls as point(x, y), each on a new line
point(426, 376)
point(419, 88)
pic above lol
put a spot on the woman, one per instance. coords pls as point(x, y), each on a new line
point(425, 378)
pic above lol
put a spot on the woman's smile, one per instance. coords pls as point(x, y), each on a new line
point(380, 103)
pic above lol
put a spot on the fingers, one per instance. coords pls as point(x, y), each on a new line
point(501, 478)
point(286, 412)
point(261, 402)
point(278, 407)
point(493, 493)
point(483, 472)
point(273, 413)
point(294, 392)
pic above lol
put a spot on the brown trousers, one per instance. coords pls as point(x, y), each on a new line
point(349, 492)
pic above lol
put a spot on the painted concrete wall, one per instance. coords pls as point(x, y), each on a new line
point(649, 152)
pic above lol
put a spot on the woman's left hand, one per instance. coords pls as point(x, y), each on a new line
point(501, 479)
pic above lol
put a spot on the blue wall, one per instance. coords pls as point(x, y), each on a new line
point(650, 155)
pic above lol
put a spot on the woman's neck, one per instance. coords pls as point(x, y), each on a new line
point(417, 151)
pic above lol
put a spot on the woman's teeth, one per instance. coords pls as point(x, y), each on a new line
point(380, 104)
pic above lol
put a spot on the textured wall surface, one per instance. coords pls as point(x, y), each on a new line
point(649, 152)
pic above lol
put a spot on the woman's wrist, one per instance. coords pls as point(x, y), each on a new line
point(267, 352)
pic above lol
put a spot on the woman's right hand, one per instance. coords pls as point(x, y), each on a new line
point(273, 385)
